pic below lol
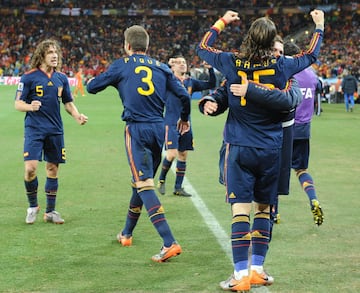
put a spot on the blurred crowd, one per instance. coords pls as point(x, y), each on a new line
point(163, 4)
point(92, 42)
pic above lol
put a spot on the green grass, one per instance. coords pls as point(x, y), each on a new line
point(94, 188)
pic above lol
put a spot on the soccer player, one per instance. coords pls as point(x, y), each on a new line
point(308, 82)
point(216, 103)
point(176, 145)
point(286, 149)
point(142, 83)
point(39, 94)
point(254, 136)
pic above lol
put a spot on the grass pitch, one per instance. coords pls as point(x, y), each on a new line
point(83, 256)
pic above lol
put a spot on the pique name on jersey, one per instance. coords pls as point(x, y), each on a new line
point(141, 60)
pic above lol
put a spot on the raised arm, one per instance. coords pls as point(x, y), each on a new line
point(205, 50)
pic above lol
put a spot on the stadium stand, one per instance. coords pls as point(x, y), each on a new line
point(91, 32)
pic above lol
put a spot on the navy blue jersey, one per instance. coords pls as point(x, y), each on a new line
point(142, 83)
point(259, 127)
point(275, 100)
point(50, 90)
point(173, 104)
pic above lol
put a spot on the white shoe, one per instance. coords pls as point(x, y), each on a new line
point(31, 215)
point(53, 217)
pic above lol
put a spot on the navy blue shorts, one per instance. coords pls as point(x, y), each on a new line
point(39, 146)
point(285, 161)
point(173, 139)
point(143, 144)
point(222, 153)
point(251, 174)
point(301, 154)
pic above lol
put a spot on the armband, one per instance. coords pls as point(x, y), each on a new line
point(219, 25)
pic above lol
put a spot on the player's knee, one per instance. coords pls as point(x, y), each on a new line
point(262, 215)
point(144, 188)
point(147, 183)
point(30, 171)
point(261, 208)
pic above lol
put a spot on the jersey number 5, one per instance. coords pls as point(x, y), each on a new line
point(39, 90)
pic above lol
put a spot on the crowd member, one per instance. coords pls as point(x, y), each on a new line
point(79, 87)
point(338, 92)
point(349, 87)
point(253, 136)
point(90, 39)
point(176, 145)
point(318, 96)
point(38, 94)
point(142, 83)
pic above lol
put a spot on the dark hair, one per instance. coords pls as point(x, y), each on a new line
point(259, 41)
point(290, 48)
point(40, 52)
point(137, 37)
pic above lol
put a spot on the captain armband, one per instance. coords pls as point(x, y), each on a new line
point(219, 25)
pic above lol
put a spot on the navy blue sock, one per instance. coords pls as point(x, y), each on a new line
point(240, 241)
point(164, 169)
point(260, 236)
point(156, 214)
point(31, 188)
point(180, 173)
point(307, 184)
point(51, 187)
point(134, 213)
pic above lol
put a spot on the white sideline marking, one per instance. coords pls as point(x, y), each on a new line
point(210, 220)
point(221, 236)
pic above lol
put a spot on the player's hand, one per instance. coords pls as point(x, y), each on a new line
point(35, 106)
point(239, 89)
point(183, 126)
point(231, 16)
point(318, 16)
point(82, 119)
point(210, 107)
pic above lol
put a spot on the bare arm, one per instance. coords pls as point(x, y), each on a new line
point(25, 107)
point(73, 111)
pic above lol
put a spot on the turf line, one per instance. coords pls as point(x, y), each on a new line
point(220, 235)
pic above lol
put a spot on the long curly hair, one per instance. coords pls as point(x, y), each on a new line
point(258, 43)
point(40, 52)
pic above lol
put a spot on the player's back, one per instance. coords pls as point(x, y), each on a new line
point(142, 83)
point(260, 126)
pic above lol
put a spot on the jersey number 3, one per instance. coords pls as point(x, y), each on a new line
point(147, 79)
